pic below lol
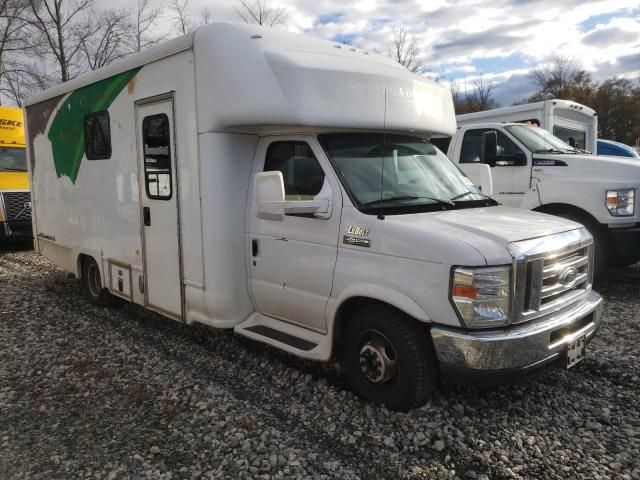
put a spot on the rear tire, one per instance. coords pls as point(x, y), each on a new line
point(92, 285)
point(601, 244)
point(388, 358)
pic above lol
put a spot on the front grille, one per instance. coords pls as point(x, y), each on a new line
point(17, 205)
point(551, 273)
point(563, 275)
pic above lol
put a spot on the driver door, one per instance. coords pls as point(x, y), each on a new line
point(292, 259)
point(510, 165)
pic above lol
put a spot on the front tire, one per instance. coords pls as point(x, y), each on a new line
point(92, 285)
point(388, 358)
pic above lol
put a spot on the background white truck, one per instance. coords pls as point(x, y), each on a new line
point(285, 187)
point(532, 169)
point(571, 122)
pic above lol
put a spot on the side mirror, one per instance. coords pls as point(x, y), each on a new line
point(270, 203)
point(268, 195)
point(486, 179)
point(489, 148)
point(480, 174)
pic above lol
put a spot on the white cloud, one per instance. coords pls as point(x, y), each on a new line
point(455, 37)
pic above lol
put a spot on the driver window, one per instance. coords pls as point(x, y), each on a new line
point(303, 176)
point(471, 145)
point(507, 152)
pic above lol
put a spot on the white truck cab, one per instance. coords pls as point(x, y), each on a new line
point(571, 122)
point(285, 187)
point(532, 169)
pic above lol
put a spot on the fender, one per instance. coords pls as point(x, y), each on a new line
point(378, 293)
point(531, 199)
point(585, 194)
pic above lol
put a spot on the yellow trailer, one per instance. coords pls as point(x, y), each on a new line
point(15, 197)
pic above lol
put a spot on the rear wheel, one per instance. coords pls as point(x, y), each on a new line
point(388, 358)
point(92, 285)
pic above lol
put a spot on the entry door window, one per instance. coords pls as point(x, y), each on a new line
point(157, 157)
point(302, 174)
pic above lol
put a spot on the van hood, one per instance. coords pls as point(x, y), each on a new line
point(593, 166)
point(448, 236)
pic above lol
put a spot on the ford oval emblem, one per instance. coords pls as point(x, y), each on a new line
point(568, 277)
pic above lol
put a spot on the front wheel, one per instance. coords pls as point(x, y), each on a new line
point(388, 358)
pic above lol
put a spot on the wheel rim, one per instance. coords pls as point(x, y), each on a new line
point(93, 280)
point(378, 358)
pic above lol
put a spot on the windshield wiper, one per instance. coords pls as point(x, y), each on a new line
point(408, 197)
point(11, 169)
point(555, 150)
point(464, 194)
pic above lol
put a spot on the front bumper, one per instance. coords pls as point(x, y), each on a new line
point(511, 353)
point(625, 242)
point(17, 230)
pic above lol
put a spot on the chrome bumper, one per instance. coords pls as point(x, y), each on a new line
point(522, 347)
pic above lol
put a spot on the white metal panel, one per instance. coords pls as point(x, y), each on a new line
point(100, 212)
point(225, 170)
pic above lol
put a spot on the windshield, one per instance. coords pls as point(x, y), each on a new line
point(397, 171)
point(539, 140)
point(13, 159)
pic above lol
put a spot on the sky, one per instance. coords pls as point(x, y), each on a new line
point(463, 40)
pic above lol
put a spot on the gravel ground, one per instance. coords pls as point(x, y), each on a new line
point(122, 393)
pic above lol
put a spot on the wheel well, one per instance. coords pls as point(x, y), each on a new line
point(559, 208)
point(80, 264)
point(347, 308)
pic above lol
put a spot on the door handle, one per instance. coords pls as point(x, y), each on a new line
point(254, 247)
point(146, 216)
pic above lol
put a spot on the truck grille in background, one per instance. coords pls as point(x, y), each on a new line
point(17, 205)
point(551, 280)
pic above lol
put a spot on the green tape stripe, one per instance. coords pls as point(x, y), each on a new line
point(67, 129)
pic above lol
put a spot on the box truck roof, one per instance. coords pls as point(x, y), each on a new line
point(251, 77)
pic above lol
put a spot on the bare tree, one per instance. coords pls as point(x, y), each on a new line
point(182, 21)
point(13, 43)
point(144, 21)
point(481, 97)
point(259, 13)
point(59, 30)
point(559, 78)
point(111, 40)
point(405, 49)
point(205, 16)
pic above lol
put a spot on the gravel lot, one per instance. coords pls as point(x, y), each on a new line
point(125, 394)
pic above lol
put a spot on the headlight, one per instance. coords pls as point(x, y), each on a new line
point(482, 295)
point(621, 203)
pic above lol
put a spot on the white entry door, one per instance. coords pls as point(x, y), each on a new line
point(159, 202)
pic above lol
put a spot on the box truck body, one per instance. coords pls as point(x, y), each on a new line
point(571, 122)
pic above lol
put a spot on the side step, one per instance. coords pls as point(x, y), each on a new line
point(291, 338)
point(295, 342)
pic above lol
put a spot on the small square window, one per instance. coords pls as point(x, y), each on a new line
point(97, 136)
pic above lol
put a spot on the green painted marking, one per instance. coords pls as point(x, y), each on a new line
point(67, 129)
